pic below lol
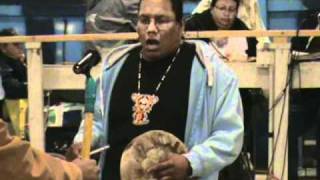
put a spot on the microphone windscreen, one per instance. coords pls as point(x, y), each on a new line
point(90, 59)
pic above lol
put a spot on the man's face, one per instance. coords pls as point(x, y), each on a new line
point(159, 32)
point(13, 50)
point(224, 13)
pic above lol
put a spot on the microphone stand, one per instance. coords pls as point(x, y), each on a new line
point(90, 91)
point(84, 67)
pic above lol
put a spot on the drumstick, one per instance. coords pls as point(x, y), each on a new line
point(99, 150)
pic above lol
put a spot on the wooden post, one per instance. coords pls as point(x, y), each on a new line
point(279, 113)
point(35, 95)
point(265, 77)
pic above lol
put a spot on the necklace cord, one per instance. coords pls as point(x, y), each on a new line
point(163, 76)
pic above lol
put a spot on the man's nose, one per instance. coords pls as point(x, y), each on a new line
point(226, 13)
point(152, 27)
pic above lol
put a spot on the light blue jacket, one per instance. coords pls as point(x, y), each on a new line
point(214, 128)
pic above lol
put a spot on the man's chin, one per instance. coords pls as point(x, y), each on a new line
point(225, 26)
point(151, 54)
point(151, 48)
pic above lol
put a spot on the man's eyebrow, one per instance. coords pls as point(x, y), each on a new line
point(155, 16)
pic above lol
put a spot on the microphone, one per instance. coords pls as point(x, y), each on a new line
point(90, 59)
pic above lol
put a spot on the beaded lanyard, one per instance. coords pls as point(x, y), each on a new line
point(143, 103)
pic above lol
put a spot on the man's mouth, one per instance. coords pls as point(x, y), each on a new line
point(152, 44)
point(225, 21)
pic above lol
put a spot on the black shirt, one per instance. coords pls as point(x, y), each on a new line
point(204, 22)
point(14, 77)
point(168, 114)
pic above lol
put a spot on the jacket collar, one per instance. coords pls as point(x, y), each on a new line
point(203, 52)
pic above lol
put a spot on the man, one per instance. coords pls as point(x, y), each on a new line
point(13, 71)
point(19, 161)
point(168, 84)
point(222, 15)
point(13, 67)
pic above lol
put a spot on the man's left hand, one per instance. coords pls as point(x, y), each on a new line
point(175, 167)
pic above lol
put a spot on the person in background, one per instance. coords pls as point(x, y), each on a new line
point(222, 15)
point(19, 161)
point(13, 67)
point(249, 12)
point(166, 83)
point(14, 81)
point(308, 44)
point(110, 16)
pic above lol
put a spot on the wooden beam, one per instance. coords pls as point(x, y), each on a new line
point(306, 75)
point(134, 36)
point(251, 75)
point(62, 77)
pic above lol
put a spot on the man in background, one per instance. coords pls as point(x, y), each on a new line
point(13, 69)
point(110, 16)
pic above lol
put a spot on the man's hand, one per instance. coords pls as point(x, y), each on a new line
point(74, 151)
point(89, 168)
point(175, 167)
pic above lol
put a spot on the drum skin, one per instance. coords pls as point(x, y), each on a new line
point(146, 150)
